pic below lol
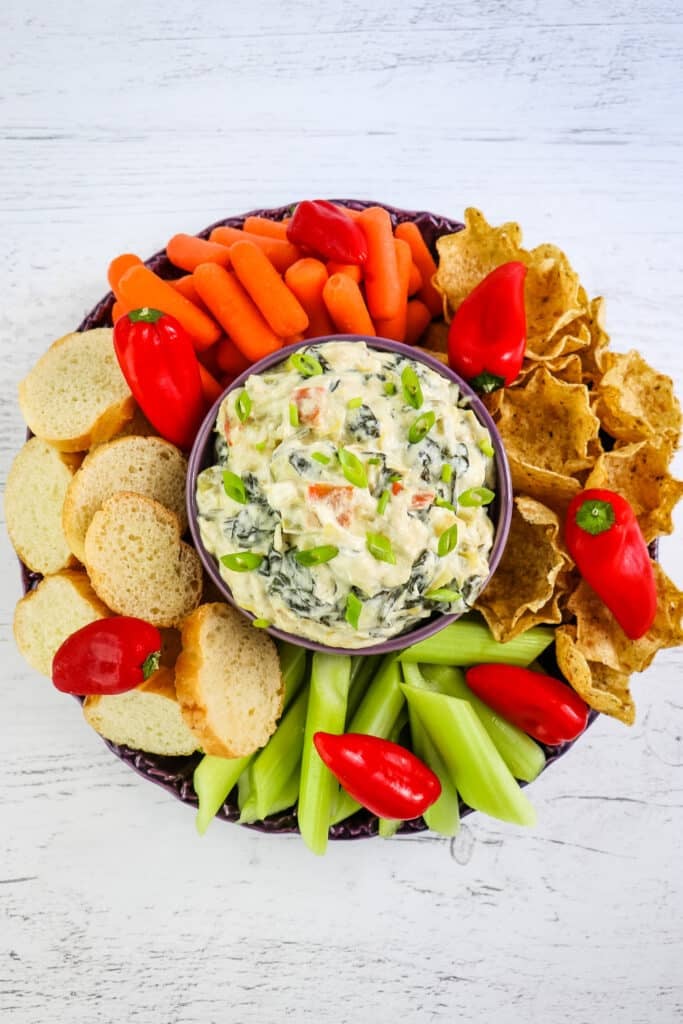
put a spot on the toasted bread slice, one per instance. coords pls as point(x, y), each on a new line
point(137, 563)
point(46, 616)
point(140, 465)
point(76, 396)
point(228, 681)
point(147, 718)
point(34, 495)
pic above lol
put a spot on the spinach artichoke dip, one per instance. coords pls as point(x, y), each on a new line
point(348, 500)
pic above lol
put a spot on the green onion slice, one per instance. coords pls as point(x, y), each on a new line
point(380, 547)
point(486, 447)
point(261, 446)
point(389, 387)
point(475, 497)
point(316, 556)
point(383, 502)
point(448, 540)
point(305, 364)
point(354, 606)
point(293, 414)
point(412, 389)
point(442, 594)
point(233, 485)
point(261, 623)
point(446, 472)
point(420, 427)
point(442, 503)
point(375, 461)
point(243, 406)
point(352, 468)
point(242, 561)
point(354, 403)
point(320, 457)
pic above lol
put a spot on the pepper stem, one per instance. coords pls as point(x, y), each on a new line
point(487, 382)
point(595, 516)
point(151, 664)
point(145, 315)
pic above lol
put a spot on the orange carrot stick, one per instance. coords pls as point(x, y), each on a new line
point(346, 306)
point(118, 267)
point(210, 386)
point(395, 327)
point(140, 287)
point(274, 300)
point(307, 278)
point(209, 359)
point(117, 310)
point(187, 252)
point(235, 312)
point(350, 269)
point(353, 214)
point(424, 261)
point(185, 285)
point(229, 358)
point(418, 318)
point(382, 284)
point(415, 282)
point(266, 227)
point(281, 254)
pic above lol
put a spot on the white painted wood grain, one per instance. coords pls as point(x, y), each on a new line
point(121, 124)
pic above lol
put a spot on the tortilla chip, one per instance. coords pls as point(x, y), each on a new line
point(466, 257)
point(635, 403)
point(552, 489)
point(595, 357)
point(523, 591)
point(600, 686)
point(565, 367)
point(552, 304)
point(639, 473)
point(548, 424)
point(600, 638)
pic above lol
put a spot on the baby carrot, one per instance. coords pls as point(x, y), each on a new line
point(382, 283)
point(395, 326)
point(188, 251)
point(353, 214)
point(118, 267)
point(117, 310)
point(210, 386)
point(186, 286)
point(209, 359)
point(346, 306)
point(424, 261)
point(281, 254)
point(229, 358)
point(350, 269)
point(274, 300)
point(267, 227)
point(418, 318)
point(415, 282)
point(307, 278)
point(235, 312)
point(140, 287)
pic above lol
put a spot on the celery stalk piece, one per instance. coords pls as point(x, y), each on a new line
point(479, 772)
point(272, 767)
point(388, 827)
point(327, 699)
point(246, 798)
point(521, 754)
point(215, 777)
point(363, 669)
point(284, 799)
point(377, 715)
point(443, 816)
point(469, 641)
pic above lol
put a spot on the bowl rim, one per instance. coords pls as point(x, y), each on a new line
point(503, 490)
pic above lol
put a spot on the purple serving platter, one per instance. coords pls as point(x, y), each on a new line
point(202, 456)
point(174, 774)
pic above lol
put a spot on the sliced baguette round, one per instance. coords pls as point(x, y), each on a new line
point(76, 396)
point(147, 718)
point(137, 563)
point(46, 616)
point(34, 496)
point(140, 465)
point(228, 681)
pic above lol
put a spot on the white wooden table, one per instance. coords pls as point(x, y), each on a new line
point(123, 123)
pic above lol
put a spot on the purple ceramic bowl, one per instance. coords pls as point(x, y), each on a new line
point(202, 456)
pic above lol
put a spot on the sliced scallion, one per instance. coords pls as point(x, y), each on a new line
point(412, 389)
point(242, 561)
point(305, 364)
point(354, 606)
point(352, 468)
point(316, 556)
point(486, 447)
point(354, 403)
point(380, 547)
point(442, 503)
point(475, 497)
point(448, 540)
point(446, 472)
point(293, 414)
point(421, 426)
point(233, 485)
point(261, 623)
point(382, 503)
point(442, 594)
point(320, 457)
point(243, 406)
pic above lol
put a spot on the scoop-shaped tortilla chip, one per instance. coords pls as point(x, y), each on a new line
point(636, 403)
point(600, 686)
point(552, 304)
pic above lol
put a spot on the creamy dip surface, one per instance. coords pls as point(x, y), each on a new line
point(348, 499)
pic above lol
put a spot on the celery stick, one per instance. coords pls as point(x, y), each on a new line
point(284, 799)
point(245, 794)
point(363, 669)
point(480, 775)
point(376, 716)
point(469, 641)
point(388, 827)
point(443, 816)
point(271, 768)
point(524, 758)
point(329, 691)
point(215, 777)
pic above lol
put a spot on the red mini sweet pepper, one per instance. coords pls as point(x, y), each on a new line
point(381, 775)
point(487, 336)
point(605, 540)
point(107, 656)
point(540, 705)
point(158, 360)
point(319, 227)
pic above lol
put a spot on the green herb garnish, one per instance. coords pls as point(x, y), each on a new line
point(354, 403)
point(354, 606)
point(380, 547)
point(260, 623)
point(242, 561)
point(442, 594)
point(442, 503)
point(305, 364)
point(475, 497)
point(320, 457)
point(383, 502)
point(486, 447)
point(389, 387)
point(316, 556)
point(293, 415)
point(412, 389)
point(352, 468)
point(233, 485)
point(446, 472)
point(448, 540)
point(420, 427)
point(243, 406)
